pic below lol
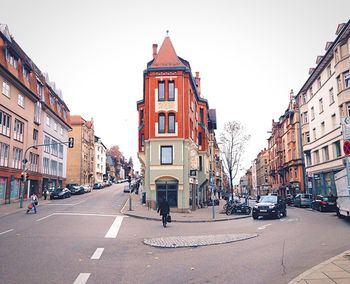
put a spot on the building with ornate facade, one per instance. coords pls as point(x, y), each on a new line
point(174, 127)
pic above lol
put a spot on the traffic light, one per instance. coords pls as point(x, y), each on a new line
point(70, 142)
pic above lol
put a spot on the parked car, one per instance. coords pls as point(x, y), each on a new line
point(97, 186)
point(70, 185)
point(289, 199)
point(60, 193)
point(270, 206)
point(87, 188)
point(324, 203)
point(77, 189)
point(303, 200)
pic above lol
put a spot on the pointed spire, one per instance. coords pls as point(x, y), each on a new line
point(166, 55)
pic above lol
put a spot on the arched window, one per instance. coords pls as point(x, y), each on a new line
point(171, 123)
point(161, 123)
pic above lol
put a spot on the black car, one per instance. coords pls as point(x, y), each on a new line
point(324, 203)
point(270, 206)
point(60, 193)
point(77, 189)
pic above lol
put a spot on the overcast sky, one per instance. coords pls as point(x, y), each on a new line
point(249, 53)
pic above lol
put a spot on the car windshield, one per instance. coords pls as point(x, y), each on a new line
point(268, 199)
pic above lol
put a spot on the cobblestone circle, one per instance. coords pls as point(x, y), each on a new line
point(195, 241)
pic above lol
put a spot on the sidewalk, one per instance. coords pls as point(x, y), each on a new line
point(333, 270)
point(13, 207)
point(141, 211)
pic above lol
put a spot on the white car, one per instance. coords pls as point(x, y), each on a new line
point(87, 188)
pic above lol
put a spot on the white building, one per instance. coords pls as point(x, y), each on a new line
point(100, 159)
point(323, 100)
point(55, 132)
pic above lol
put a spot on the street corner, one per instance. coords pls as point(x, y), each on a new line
point(196, 241)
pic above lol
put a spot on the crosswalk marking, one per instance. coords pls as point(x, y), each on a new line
point(82, 278)
point(114, 229)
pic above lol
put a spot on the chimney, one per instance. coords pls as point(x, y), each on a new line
point(155, 46)
point(198, 83)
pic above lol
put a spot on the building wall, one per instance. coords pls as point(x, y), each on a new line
point(74, 162)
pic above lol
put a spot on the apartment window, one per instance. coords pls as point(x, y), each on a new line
point(47, 120)
point(34, 162)
point(348, 109)
point(11, 59)
point(35, 136)
point(329, 70)
point(37, 112)
point(55, 125)
point(60, 169)
point(61, 131)
point(171, 88)
point(201, 115)
point(314, 133)
point(60, 152)
point(319, 82)
point(336, 55)
point(334, 122)
point(40, 90)
point(308, 158)
point(171, 123)
point(306, 120)
point(200, 163)
point(322, 127)
point(200, 139)
point(311, 92)
point(20, 100)
point(16, 158)
point(141, 116)
point(54, 148)
point(64, 114)
point(166, 155)
point(316, 157)
point(59, 108)
point(320, 103)
point(344, 50)
point(161, 94)
point(312, 113)
point(5, 123)
point(331, 96)
point(142, 140)
point(337, 150)
point(26, 73)
point(47, 144)
point(304, 98)
point(46, 165)
point(346, 76)
point(161, 123)
point(6, 89)
point(18, 130)
point(339, 84)
point(52, 100)
point(325, 153)
point(4, 154)
point(53, 168)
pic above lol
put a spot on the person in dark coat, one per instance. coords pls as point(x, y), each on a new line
point(164, 210)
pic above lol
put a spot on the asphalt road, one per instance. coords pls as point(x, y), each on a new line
point(85, 237)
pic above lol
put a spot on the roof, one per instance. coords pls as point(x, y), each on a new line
point(166, 56)
point(76, 120)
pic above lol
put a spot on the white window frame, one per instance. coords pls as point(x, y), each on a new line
point(6, 89)
point(20, 100)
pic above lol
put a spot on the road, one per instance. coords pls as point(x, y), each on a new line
point(85, 239)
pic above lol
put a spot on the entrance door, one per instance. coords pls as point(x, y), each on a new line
point(168, 190)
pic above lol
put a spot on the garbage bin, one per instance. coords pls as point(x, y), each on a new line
point(144, 197)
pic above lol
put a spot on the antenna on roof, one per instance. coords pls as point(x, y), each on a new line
point(167, 32)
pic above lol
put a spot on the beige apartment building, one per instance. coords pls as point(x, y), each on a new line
point(81, 158)
point(262, 173)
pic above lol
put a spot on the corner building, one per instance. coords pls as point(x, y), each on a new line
point(174, 132)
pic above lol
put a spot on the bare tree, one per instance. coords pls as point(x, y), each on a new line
point(233, 141)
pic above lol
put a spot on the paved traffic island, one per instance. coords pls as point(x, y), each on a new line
point(195, 241)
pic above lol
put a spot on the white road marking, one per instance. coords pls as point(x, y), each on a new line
point(82, 278)
point(264, 227)
point(45, 217)
point(78, 214)
point(97, 254)
point(6, 232)
point(65, 204)
point(114, 229)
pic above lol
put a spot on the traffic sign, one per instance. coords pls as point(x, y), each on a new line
point(345, 121)
point(346, 147)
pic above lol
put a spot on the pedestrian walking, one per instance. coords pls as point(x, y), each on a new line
point(164, 210)
point(33, 203)
point(45, 194)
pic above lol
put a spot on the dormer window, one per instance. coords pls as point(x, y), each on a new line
point(40, 90)
point(26, 73)
point(52, 100)
point(11, 59)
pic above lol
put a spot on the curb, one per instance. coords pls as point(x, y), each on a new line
point(317, 267)
point(180, 221)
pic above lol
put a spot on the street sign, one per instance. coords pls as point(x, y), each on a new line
point(346, 147)
point(193, 173)
point(346, 127)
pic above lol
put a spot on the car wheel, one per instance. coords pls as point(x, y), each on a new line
point(278, 214)
point(255, 216)
point(228, 211)
point(321, 209)
point(285, 213)
point(248, 210)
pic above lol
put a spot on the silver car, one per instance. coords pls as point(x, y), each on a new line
point(303, 200)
